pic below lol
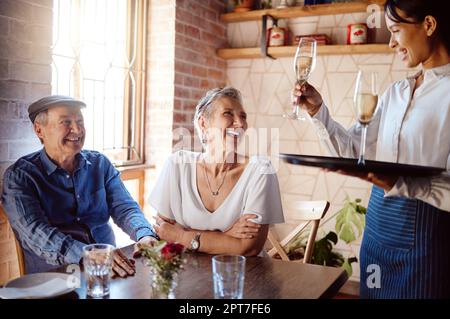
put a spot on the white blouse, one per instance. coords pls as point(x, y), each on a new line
point(406, 129)
point(176, 195)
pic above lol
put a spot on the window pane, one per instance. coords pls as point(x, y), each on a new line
point(98, 57)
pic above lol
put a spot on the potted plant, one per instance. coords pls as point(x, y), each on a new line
point(243, 5)
point(350, 223)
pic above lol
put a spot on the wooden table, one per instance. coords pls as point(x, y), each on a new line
point(265, 278)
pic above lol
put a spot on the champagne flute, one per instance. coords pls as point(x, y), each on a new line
point(304, 63)
point(365, 105)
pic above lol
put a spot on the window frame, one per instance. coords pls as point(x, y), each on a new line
point(134, 95)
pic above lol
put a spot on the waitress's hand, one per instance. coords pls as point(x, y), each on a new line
point(307, 97)
point(386, 182)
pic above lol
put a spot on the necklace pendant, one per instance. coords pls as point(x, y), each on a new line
point(215, 193)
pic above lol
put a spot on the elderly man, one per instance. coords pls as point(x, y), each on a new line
point(61, 198)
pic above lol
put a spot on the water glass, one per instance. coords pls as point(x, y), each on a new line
point(97, 261)
point(228, 276)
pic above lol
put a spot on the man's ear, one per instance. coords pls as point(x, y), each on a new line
point(430, 25)
point(38, 130)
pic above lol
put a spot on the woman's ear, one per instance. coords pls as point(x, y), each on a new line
point(430, 25)
point(202, 123)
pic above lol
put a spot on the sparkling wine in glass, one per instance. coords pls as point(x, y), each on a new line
point(304, 63)
point(365, 105)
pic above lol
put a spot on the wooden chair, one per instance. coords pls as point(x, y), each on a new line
point(304, 213)
point(19, 251)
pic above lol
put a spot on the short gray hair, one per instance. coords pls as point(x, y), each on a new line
point(42, 118)
point(204, 106)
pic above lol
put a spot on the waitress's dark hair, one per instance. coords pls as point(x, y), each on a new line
point(417, 10)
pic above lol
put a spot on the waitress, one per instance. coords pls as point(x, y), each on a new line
point(405, 252)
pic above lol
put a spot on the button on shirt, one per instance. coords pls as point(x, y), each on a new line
point(407, 128)
point(42, 200)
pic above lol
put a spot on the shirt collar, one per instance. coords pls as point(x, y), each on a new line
point(83, 159)
point(437, 72)
point(51, 167)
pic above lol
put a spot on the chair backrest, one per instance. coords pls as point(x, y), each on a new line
point(18, 249)
point(303, 213)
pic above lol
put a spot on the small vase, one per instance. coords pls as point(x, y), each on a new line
point(163, 285)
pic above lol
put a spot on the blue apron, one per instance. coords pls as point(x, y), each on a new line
point(407, 245)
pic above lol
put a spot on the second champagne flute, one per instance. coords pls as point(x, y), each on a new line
point(304, 63)
point(365, 105)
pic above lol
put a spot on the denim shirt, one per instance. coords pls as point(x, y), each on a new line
point(45, 204)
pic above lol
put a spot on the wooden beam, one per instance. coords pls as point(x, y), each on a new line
point(302, 11)
point(286, 51)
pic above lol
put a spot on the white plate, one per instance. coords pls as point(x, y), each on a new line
point(28, 281)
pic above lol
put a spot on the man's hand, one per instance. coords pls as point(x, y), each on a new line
point(386, 182)
point(122, 266)
point(146, 241)
point(243, 228)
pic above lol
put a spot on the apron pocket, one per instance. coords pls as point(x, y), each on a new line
point(391, 221)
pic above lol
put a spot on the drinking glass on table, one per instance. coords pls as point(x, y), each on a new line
point(228, 276)
point(365, 102)
point(97, 261)
point(304, 63)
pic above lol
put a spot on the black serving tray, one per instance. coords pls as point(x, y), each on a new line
point(351, 164)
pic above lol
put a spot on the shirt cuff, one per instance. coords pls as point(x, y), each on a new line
point(416, 187)
point(75, 253)
point(399, 189)
point(145, 231)
point(321, 121)
point(322, 113)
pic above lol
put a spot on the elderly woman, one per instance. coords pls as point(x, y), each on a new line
point(217, 201)
point(405, 251)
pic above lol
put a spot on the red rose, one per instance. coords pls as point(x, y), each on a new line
point(171, 250)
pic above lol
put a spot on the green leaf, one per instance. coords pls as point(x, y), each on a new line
point(348, 267)
point(331, 236)
point(350, 220)
point(362, 219)
point(323, 254)
point(347, 234)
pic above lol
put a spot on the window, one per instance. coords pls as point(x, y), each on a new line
point(99, 56)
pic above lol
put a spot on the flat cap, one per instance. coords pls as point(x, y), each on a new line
point(51, 101)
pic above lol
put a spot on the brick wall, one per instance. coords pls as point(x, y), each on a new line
point(25, 75)
point(160, 79)
point(182, 65)
point(198, 33)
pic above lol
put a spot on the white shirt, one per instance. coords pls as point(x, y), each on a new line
point(176, 196)
point(406, 129)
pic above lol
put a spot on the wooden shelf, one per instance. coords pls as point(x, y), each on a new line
point(302, 11)
point(278, 52)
